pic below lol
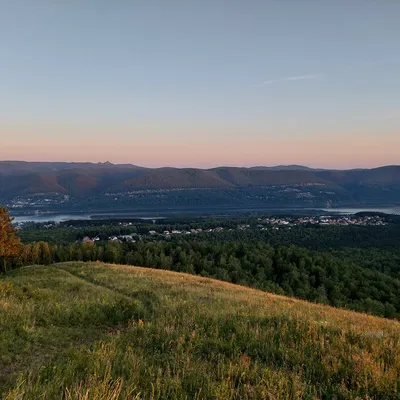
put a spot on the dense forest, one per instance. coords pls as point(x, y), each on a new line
point(355, 267)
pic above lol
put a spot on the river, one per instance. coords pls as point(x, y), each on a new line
point(58, 217)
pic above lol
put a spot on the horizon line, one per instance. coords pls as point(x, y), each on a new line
point(252, 166)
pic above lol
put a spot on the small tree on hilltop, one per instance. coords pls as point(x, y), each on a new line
point(10, 244)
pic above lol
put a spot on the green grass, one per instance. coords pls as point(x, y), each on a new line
point(95, 331)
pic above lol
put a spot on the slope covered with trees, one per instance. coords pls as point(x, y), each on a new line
point(378, 186)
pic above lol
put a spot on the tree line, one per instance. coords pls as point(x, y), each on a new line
point(288, 270)
point(279, 268)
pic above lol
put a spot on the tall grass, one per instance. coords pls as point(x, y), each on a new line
point(93, 331)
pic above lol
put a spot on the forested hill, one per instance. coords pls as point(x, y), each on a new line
point(86, 179)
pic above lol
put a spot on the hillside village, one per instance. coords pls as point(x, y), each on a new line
point(263, 224)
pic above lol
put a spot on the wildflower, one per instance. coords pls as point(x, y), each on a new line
point(245, 360)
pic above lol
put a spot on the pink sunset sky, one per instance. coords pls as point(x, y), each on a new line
point(153, 149)
point(201, 83)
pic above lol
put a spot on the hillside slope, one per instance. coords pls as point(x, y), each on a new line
point(83, 179)
point(95, 331)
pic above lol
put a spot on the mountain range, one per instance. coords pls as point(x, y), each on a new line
point(19, 178)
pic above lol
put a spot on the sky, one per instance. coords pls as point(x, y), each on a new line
point(201, 83)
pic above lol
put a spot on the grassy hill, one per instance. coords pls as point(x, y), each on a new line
point(95, 331)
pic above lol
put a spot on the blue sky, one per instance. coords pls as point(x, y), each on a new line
point(201, 83)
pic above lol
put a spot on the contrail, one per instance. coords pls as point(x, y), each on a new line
point(292, 78)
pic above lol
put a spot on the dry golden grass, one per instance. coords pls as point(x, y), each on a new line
point(244, 296)
point(96, 331)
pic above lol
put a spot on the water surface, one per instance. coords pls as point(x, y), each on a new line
point(58, 217)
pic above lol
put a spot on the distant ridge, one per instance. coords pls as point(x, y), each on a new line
point(286, 167)
point(35, 166)
point(24, 178)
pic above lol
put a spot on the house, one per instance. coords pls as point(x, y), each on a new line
point(87, 239)
point(127, 238)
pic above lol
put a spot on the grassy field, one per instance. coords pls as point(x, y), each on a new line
point(95, 331)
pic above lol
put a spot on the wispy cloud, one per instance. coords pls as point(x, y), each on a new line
point(291, 78)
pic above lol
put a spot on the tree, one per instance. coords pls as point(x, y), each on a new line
point(10, 244)
point(44, 253)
